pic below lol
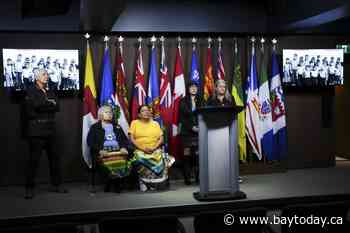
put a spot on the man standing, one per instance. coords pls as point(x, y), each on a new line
point(41, 106)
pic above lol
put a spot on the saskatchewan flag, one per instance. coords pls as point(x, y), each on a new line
point(237, 94)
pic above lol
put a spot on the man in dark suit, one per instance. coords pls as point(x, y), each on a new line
point(41, 106)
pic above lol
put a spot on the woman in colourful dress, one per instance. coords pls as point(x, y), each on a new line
point(149, 159)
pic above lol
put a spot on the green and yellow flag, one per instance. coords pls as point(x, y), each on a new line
point(237, 94)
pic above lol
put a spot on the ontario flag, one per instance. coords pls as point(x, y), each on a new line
point(153, 88)
point(139, 93)
point(279, 148)
point(253, 108)
point(165, 91)
point(220, 65)
point(208, 77)
point(90, 106)
point(178, 93)
point(121, 91)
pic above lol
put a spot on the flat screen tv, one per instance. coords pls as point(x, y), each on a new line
point(21, 65)
point(313, 67)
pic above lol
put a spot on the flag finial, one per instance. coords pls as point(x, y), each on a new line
point(194, 40)
point(153, 39)
point(262, 40)
point(253, 39)
point(209, 41)
point(139, 39)
point(87, 36)
point(106, 39)
point(274, 43)
point(120, 39)
point(162, 39)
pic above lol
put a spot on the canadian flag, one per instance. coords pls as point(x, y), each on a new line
point(178, 93)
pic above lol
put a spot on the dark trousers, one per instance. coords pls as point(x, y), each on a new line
point(36, 147)
point(191, 163)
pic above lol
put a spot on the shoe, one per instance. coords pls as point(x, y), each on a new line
point(29, 193)
point(92, 189)
point(57, 189)
point(143, 187)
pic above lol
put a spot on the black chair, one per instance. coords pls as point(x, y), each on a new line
point(142, 225)
point(214, 222)
point(336, 210)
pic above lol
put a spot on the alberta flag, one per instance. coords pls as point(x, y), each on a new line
point(194, 76)
point(278, 113)
point(265, 109)
point(153, 88)
point(253, 108)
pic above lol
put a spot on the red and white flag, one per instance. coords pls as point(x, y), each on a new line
point(178, 93)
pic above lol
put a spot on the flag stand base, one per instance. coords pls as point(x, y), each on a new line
point(219, 196)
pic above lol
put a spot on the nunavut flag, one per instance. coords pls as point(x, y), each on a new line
point(90, 106)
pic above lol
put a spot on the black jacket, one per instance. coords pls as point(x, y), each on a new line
point(96, 137)
point(216, 102)
point(188, 119)
point(40, 112)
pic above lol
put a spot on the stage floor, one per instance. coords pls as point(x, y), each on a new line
point(267, 190)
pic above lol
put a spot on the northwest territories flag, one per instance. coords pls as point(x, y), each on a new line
point(278, 113)
point(265, 108)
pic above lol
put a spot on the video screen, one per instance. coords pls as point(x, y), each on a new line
point(313, 67)
point(21, 65)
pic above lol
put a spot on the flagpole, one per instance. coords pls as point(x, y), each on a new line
point(274, 43)
point(262, 41)
point(106, 39)
point(209, 42)
point(120, 41)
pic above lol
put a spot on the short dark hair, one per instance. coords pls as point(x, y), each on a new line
point(143, 105)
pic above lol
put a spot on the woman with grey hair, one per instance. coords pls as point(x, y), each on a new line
point(110, 150)
point(221, 95)
point(41, 106)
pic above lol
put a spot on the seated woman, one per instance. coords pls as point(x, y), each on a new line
point(149, 159)
point(109, 149)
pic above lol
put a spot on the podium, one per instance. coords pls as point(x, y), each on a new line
point(218, 154)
